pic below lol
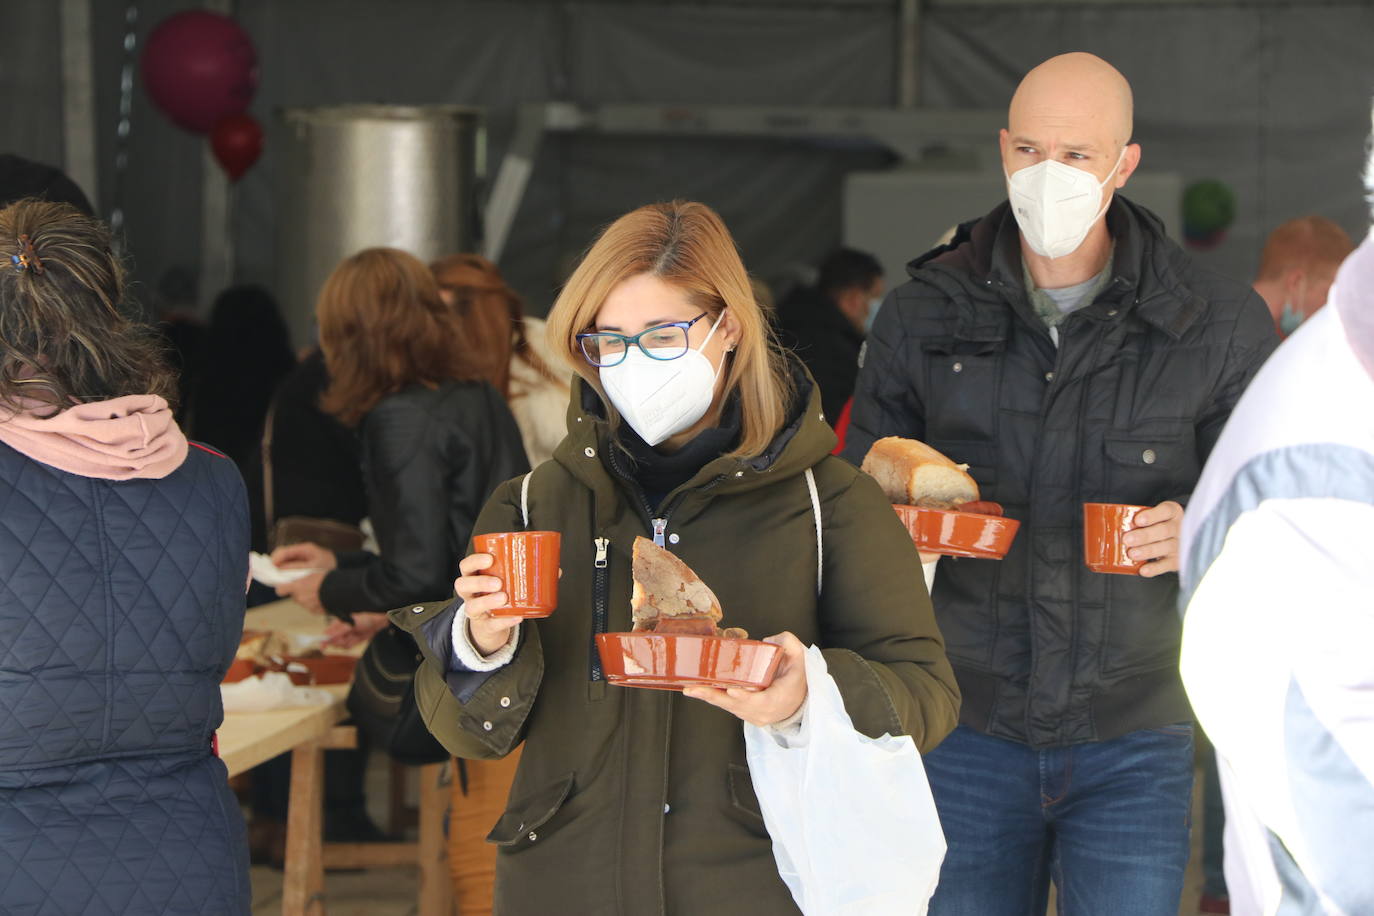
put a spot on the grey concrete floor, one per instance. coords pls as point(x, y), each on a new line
point(391, 891)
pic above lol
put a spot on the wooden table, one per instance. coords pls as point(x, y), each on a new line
point(248, 739)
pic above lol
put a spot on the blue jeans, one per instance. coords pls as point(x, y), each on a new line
point(1107, 821)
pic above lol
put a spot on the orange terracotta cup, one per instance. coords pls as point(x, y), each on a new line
point(526, 562)
point(1104, 525)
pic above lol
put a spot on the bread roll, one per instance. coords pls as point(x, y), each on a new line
point(914, 474)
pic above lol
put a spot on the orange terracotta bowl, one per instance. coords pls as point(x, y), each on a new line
point(674, 661)
point(321, 669)
point(953, 533)
point(240, 669)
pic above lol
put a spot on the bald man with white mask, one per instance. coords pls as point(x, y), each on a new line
point(1069, 352)
point(1065, 152)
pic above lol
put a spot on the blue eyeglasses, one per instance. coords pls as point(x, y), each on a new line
point(663, 342)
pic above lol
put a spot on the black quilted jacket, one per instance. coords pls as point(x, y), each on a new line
point(121, 606)
point(431, 457)
point(1125, 410)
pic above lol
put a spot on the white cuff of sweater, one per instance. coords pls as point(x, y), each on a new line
point(469, 657)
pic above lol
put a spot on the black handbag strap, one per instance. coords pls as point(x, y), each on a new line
point(268, 506)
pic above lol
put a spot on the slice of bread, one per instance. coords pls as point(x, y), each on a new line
point(666, 587)
point(914, 474)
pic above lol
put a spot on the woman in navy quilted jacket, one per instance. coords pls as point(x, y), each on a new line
point(123, 558)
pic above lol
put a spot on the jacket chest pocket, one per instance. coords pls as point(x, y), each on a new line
point(963, 382)
point(1145, 470)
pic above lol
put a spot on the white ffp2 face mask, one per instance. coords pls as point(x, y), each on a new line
point(874, 305)
point(661, 398)
point(1056, 205)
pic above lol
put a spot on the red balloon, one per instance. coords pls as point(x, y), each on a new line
point(199, 67)
point(237, 143)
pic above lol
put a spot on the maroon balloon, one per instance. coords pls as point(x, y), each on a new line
point(237, 143)
point(199, 67)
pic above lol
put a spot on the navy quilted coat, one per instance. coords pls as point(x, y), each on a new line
point(121, 605)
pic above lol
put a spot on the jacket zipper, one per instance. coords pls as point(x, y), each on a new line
point(601, 567)
point(660, 525)
point(601, 587)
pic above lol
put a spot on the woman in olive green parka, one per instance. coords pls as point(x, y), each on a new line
point(687, 425)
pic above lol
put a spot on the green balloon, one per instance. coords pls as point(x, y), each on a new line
point(1208, 207)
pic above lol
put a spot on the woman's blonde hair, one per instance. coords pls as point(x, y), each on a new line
point(685, 245)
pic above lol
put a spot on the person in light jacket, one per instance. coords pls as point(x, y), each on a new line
point(1276, 582)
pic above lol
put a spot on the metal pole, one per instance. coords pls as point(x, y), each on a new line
point(78, 98)
point(216, 212)
point(216, 241)
point(511, 179)
point(908, 53)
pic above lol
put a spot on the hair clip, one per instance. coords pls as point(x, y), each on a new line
point(27, 258)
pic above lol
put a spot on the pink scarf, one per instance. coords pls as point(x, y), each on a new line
point(130, 437)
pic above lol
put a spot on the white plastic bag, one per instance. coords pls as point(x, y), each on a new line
point(852, 819)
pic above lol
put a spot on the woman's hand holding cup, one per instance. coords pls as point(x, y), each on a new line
point(523, 582)
point(481, 595)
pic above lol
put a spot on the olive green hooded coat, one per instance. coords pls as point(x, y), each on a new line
point(636, 802)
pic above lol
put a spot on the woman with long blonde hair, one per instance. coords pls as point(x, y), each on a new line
point(689, 426)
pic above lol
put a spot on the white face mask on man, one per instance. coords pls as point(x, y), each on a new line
point(1056, 204)
point(661, 398)
point(874, 305)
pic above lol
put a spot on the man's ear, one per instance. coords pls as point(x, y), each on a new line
point(1292, 279)
point(1129, 163)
